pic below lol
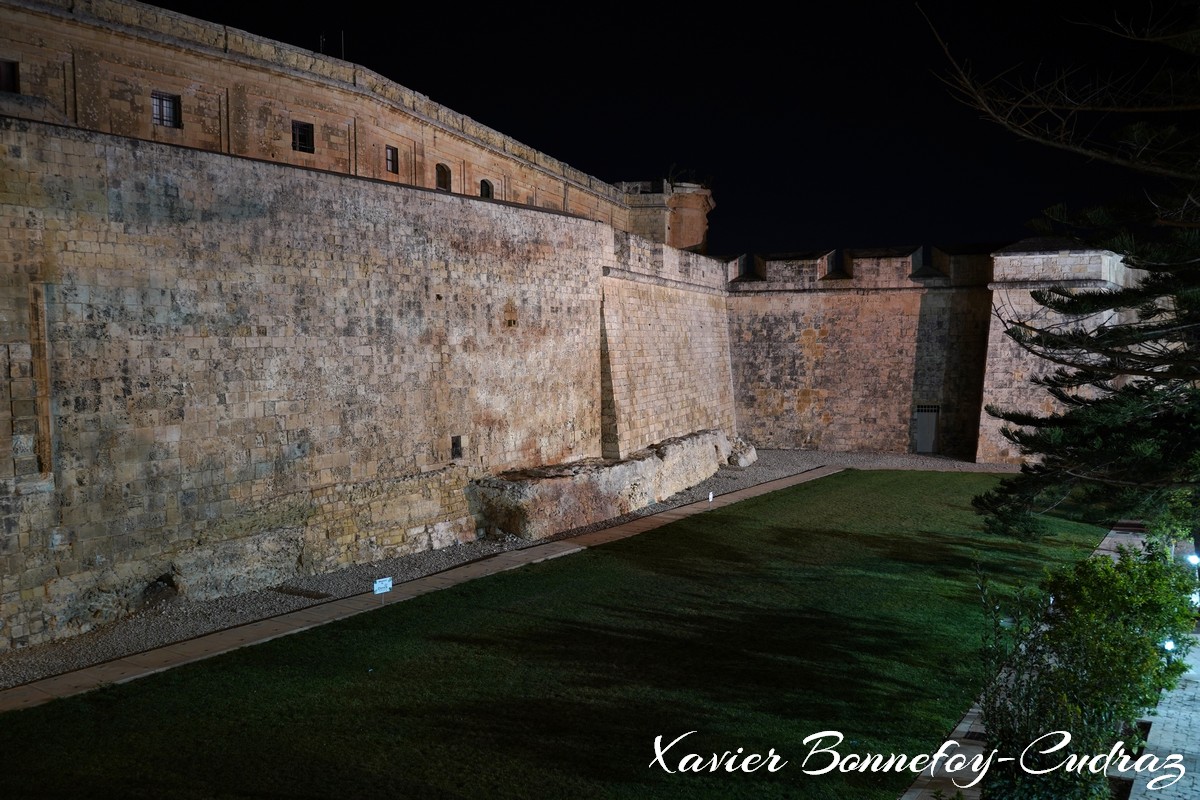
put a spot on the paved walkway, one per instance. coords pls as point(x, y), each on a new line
point(1174, 729)
point(122, 670)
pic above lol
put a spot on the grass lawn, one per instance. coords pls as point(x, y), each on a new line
point(846, 604)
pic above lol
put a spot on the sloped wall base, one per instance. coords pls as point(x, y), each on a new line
point(537, 503)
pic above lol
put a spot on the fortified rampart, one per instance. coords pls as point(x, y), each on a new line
point(234, 353)
point(1020, 269)
point(134, 70)
point(861, 350)
point(257, 371)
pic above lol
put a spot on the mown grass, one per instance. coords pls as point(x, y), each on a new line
point(845, 604)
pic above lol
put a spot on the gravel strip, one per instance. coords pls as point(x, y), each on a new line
point(183, 619)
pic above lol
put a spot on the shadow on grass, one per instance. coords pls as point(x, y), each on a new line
point(800, 663)
point(750, 626)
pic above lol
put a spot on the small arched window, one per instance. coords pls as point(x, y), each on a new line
point(485, 189)
point(443, 177)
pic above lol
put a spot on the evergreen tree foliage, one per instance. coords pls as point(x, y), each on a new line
point(1085, 655)
point(1127, 360)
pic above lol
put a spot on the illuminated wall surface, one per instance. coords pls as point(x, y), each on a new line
point(245, 336)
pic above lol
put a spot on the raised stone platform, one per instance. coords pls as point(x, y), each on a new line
point(537, 503)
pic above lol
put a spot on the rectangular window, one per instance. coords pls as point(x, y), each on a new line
point(302, 137)
point(10, 79)
point(392, 158)
point(164, 110)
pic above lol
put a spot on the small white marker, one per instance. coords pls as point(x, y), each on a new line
point(382, 587)
point(710, 497)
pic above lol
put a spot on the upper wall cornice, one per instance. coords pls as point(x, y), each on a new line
point(171, 28)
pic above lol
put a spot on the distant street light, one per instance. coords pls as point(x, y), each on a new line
point(1194, 560)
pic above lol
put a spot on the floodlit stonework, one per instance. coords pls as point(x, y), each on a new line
point(264, 313)
point(1020, 269)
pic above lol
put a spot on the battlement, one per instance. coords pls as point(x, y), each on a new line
point(864, 269)
point(1035, 263)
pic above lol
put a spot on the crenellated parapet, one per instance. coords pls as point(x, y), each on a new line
point(860, 349)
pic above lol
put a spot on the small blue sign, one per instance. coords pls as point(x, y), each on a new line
point(383, 585)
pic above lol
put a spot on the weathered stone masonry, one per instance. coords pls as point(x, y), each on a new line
point(1020, 269)
point(257, 371)
point(664, 346)
point(227, 362)
point(840, 356)
point(104, 64)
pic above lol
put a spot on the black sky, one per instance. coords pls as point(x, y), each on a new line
point(817, 125)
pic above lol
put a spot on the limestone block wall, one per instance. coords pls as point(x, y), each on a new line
point(794, 273)
point(665, 363)
point(256, 370)
point(1009, 369)
point(97, 64)
point(952, 332)
point(646, 260)
point(846, 362)
point(880, 268)
point(537, 503)
point(809, 372)
point(27, 500)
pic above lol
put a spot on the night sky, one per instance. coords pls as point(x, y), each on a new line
point(815, 127)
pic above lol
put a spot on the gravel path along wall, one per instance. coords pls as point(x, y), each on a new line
point(181, 619)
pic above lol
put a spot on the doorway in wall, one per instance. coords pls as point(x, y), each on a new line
point(927, 426)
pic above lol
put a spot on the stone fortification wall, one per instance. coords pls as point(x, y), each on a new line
point(842, 351)
point(666, 211)
point(664, 348)
point(227, 359)
point(799, 272)
point(255, 370)
point(27, 500)
point(948, 375)
point(649, 261)
point(97, 64)
point(1009, 369)
point(809, 372)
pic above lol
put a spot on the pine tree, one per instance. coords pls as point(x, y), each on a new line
point(1127, 376)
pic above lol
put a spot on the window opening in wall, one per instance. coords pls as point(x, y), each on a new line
point(10, 78)
point(164, 110)
point(443, 177)
point(485, 189)
point(391, 157)
point(302, 137)
point(456, 450)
